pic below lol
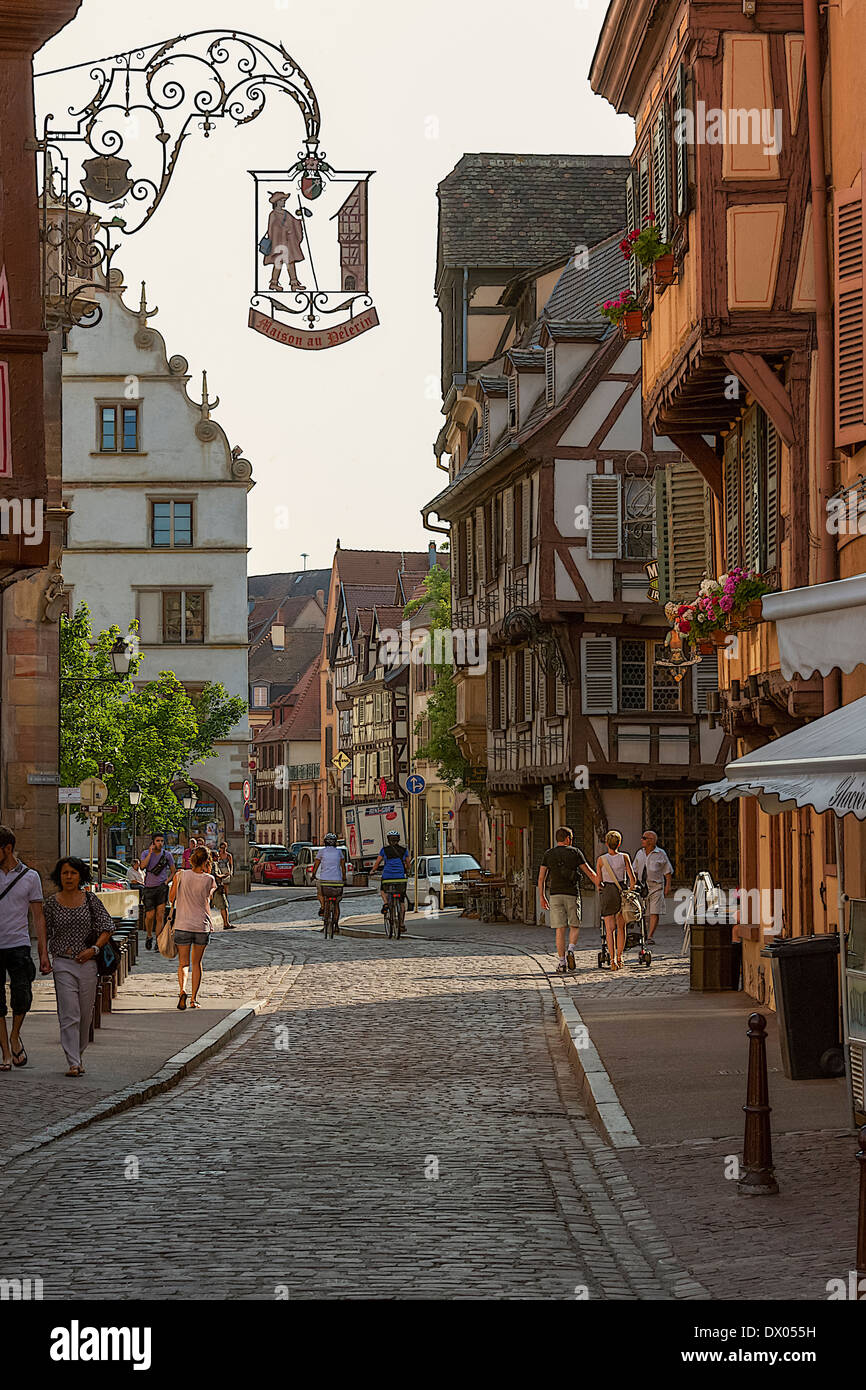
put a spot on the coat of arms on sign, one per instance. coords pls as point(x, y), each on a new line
point(311, 289)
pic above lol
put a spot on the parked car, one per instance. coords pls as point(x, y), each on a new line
point(453, 865)
point(274, 865)
point(115, 873)
point(256, 851)
point(307, 855)
point(295, 849)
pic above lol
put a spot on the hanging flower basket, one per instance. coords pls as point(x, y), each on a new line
point(665, 270)
point(754, 609)
point(625, 313)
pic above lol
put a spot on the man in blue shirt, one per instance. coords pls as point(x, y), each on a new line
point(393, 860)
point(159, 869)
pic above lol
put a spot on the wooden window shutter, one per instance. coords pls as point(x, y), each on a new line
point(605, 517)
point(706, 678)
point(631, 223)
point(598, 674)
point(508, 525)
point(850, 296)
point(550, 375)
point(481, 545)
point(459, 559)
point(541, 705)
point(751, 494)
point(661, 167)
point(662, 546)
point(489, 540)
point(525, 520)
point(688, 530)
point(503, 694)
point(528, 665)
point(681, 147)
point(772, 449)
point(732, 499)
point(643, 202)
point(512, 688)
point(492, 677)
point(519, 659)
point(512, 404)
point(560, 697)
point(470, 557)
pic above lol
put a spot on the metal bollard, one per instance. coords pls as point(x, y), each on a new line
point(758, 1178)
point(861, 1215)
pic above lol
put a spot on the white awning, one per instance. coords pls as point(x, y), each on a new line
point(822, 765)
point(820, 627)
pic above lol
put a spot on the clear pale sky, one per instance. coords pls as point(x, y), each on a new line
point(343, 438)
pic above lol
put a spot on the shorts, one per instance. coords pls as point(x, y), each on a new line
point(564, 910)
point(394, 885)
point(17, 962)
point(191, 938)
point(654, 905)
point(154, 897)
point(331, 890)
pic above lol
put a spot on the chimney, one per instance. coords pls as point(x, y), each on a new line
point(431, 555)
point(278, 637)
point(320, 598)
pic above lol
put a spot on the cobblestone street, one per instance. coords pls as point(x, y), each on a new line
point(400, 1121)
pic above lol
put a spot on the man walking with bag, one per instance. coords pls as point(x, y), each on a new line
point(20, 894)
point(159, 869)
point(558, 885)
point(652, 867)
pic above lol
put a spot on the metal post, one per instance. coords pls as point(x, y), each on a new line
point(842, 900)
point(68, 828)
point(90, 837)
point(441, 850)
point(861, 1212)
point(415, 815)
point(758, 1178)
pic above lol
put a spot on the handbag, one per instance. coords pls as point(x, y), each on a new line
point(107, 959)
point(165, 940)
point(265, 246)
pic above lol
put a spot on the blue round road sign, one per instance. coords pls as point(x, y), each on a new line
point(415, 784)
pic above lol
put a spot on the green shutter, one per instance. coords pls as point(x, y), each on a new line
point(661, 166)
point(643, 204)
point(681, 147)
point(732, 499)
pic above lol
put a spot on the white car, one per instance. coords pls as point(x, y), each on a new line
point(453, 865)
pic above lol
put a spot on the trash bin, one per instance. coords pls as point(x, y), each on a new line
point(715, 959)
point(806, 987)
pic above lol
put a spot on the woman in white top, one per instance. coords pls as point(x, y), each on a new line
point(612, 869)
point(191, 891)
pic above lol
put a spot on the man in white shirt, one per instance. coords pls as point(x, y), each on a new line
point(652, 863)
point(20, 893)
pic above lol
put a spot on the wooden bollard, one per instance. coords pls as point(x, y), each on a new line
point(758, 1178)
point(861, 1215)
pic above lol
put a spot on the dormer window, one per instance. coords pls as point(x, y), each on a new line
point(512, 405)
point(550, 375)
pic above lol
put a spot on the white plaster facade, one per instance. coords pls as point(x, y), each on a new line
point(180, 455)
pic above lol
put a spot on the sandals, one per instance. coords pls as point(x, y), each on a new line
point(5, 1066)
point(19, 1058)
point(181, 1003)
point(74, 1071)
point(193, 1004)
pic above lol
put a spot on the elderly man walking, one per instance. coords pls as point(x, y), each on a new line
point(652, 866)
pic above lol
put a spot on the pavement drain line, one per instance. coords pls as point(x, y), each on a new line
point(169, 1075)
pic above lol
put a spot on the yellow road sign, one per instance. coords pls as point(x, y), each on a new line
point(341, 761)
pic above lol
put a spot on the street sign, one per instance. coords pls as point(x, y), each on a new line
point(247, 790)
point(383, 787)
point(43, 779)
point(548, 796)
point(69, 796)
point(94, 792)
point(341, 761)
point(415, 784)
point(247, 812)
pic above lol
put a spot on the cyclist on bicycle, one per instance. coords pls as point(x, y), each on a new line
point(394, 862)
point(331, 861)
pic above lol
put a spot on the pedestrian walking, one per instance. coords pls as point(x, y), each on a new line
point(559, 889)
point(159, 869)
point(20, 897)
point(652, 867)
point(78, 926)
point(223, 867)
point(613, 868)
point(191, 891)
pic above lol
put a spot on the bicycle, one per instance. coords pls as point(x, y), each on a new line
point(330, 912)
point(395, 911)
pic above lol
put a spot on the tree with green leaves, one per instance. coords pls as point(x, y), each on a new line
point(152, 736)
point(442, 747)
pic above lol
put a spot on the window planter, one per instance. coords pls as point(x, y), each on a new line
point(665, 270)
point(631, 324)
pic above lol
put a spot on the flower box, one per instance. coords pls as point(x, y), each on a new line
point(665, 269)
point(706, 648)
point(631, 324)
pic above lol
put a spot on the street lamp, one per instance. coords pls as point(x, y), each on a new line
point(188, 802)
point(121, 655)
point(134, 801)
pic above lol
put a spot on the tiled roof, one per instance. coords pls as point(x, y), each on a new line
point(305, 720)
point(284, 667)
point(377, 566)
point(516, 210)
point(365, 596)
point(280, 586)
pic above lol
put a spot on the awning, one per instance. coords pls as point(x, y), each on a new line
point(820, 627)
point(822, 765)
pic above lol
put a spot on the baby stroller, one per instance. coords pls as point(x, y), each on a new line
point(633, 900)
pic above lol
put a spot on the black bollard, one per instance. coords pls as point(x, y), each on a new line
point(861, 1217)
point(758, 1178)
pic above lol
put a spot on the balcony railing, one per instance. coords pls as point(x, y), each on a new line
point(303, 772)
point(516, 594)
point(523, 751)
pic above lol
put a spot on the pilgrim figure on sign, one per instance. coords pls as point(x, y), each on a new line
point(281, 245)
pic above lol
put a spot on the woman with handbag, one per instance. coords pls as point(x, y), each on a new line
point(190, 894)
point(612, 869)
point(78, 926)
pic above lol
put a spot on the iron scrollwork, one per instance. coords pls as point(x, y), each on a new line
point(521, 625)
